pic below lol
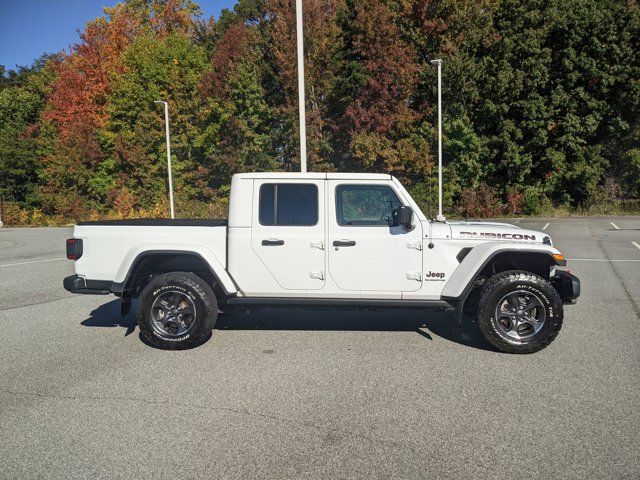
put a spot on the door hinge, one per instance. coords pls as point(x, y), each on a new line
point(416, 245)
point(319, 244)
point(414, 276)
point(317, 274)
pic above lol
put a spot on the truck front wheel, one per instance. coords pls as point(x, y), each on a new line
point(519, 312)
point(176, 310)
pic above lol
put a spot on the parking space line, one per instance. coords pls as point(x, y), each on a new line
point(614, 226)
point(600, 259)
point(35, 261)
point(635, 244)
point(545, 227)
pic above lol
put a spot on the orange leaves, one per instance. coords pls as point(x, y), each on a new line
point(172, 16)
point(390, 64)
point(83, 81)
point(321, 42)
point(84, 77)
point(231, 48)
point(84, 158)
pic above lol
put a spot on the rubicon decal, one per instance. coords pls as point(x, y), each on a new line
point(499, 236)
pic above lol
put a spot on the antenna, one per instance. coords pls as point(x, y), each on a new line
point(438, 62)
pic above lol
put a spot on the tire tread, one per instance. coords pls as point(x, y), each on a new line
point(206, 296)
point(487, 295)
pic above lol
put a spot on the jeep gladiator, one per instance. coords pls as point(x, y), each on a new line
point(323, 239)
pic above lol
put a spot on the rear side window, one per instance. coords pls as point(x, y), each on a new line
point(365, 205)
point(288, 204)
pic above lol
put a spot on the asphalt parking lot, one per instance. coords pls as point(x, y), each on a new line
point(289, 394)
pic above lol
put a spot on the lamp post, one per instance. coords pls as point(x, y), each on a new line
point(166, 122)
point(301, 105)
point(438, 62)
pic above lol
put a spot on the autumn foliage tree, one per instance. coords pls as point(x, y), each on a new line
point(542, 103)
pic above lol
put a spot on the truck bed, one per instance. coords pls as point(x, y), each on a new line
point(111, 247)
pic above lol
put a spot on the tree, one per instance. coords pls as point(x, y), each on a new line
point(238, 123)
point(22, 99)
point(167, 69)
point(542, 102)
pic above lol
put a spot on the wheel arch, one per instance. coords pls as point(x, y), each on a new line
point(488, 259)
point(154, 262)
point(534, 262)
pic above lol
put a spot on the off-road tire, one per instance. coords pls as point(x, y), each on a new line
point(204, 318)
point(501, 284)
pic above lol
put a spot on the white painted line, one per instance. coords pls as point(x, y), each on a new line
point(614, 226)
point(599, 260)
point(545, 227)
point(28, 263)
point(635, 244)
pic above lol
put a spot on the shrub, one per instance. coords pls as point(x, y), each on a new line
point(535, 202)
point(480, 202)
point(607, 198)
point(514, 203)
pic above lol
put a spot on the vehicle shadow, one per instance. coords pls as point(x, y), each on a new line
point(107, 315)
point(426, 324)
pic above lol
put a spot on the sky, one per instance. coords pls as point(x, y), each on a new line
point(29, 28)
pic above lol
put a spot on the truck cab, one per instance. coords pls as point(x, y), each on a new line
point(326, 236)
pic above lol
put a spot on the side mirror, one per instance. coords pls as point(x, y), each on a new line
point(403, 215)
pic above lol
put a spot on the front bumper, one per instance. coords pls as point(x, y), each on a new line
point(567, 285)
point(78, 284)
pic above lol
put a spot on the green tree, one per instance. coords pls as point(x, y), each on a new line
point(154, 69)
point(22, 99)
point(237, 124)
point(546, 109)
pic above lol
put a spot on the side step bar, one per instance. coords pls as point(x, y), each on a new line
point(338, 302)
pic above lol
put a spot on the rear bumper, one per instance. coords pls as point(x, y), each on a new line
point(78, 284)
point(567, 285)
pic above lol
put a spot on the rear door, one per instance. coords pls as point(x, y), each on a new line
point(288, 230)
point(366, 252)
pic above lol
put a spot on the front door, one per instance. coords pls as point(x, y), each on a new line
point(366, 252)
point(288, 232)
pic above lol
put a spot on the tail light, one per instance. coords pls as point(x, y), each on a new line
point(74, 248)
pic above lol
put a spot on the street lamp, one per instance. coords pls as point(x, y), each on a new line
point(301, 105)
point(438, 62)
point(166, 122)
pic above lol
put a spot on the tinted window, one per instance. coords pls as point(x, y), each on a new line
point(288, 204)
point(365, 204)
point(267, 204)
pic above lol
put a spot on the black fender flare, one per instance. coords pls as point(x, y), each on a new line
point(459, 302)
point(121, 289)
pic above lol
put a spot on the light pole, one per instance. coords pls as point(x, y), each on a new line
point(166, 122)
point(438, 62)
point(301, 105)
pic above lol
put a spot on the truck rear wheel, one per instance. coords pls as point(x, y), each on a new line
point(176, 310)
point(519, 312)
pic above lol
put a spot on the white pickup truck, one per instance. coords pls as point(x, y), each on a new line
point(323, 239)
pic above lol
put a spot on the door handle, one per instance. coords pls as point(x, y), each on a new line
point(272, 242)
point(344, 243)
